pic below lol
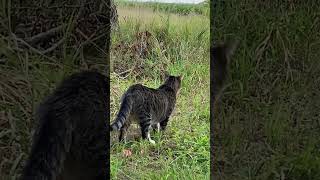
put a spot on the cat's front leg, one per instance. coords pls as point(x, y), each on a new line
point(123, 131)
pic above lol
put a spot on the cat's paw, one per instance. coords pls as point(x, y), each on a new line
point(152, 141)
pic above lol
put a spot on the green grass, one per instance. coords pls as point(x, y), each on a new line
point(26, 78)
point(180, 45)
point(182, 9)
point(267, 124)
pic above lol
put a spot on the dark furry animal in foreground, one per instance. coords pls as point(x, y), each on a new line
point(72, 139)
point(150, 108)
point(220, 58)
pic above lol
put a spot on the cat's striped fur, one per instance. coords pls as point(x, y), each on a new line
point(150, 108)
point(71, 141)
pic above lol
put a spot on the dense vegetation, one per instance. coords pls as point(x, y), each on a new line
point(267, 125)
point(40, 44)
point(180, 45)
point(182, 9)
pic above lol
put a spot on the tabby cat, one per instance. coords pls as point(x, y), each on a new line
point(72, 139)
point(149, 107)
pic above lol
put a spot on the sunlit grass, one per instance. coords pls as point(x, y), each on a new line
point(182, 151)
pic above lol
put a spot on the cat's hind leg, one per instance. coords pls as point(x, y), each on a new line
point(163, 124)
point(145, 125)
point(149, 138)
point(156, 127)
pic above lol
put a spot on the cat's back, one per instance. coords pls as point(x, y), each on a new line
point(76, 88)
point(79, 102)
point(141, 95)
point(90, 112)
point(139, 88)
point(86, 81)
point(83, 97)
point(71, 124)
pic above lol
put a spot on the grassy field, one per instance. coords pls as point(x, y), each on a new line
point(180, 45)
point(182, 9)
point(267, 125)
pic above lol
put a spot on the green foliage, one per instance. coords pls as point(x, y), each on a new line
point(267, 125)
point(182, 9)
point(180, 45)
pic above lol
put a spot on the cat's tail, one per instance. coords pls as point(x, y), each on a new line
point(123, 114)
point(51, 143)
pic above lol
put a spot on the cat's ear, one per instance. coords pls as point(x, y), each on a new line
point(180, 77)
point(230, 48)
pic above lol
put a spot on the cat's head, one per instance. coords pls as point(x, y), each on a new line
point(220, 57)
point(173, 81)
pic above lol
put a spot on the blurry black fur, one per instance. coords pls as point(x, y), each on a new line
point(71, 141)
point(220, 58)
